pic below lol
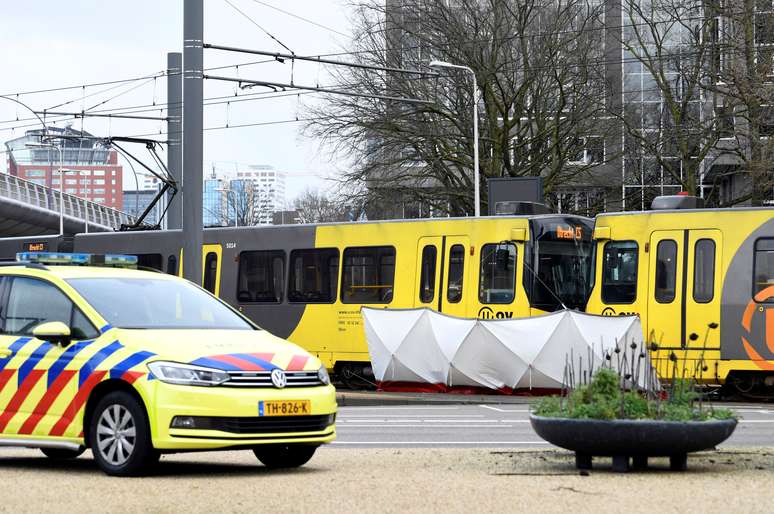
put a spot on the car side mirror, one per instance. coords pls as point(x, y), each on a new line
point(54, 332)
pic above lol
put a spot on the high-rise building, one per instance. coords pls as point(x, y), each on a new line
point(215, 204)
point(90, 169)
point(135, 203)
point(268, 191)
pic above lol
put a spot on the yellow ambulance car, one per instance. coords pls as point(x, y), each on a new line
point(132, 364)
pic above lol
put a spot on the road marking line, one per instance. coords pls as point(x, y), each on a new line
point(497, 409)
point(439, 442)
point(402, 407)
point(383, 420)
point(384, 416)
point(422, 426)
point(411, 420)
point(756, 421)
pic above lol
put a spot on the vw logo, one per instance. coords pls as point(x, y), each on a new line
point(278, 378)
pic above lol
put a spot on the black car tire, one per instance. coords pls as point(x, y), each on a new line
point(62, 453)
point(136, 450)
point(278, 456)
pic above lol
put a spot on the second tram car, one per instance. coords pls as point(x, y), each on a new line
point(307, 283)
point(702, 282)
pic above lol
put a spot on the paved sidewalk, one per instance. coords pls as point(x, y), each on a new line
point(393, 481)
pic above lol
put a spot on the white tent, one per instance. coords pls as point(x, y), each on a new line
point(424, 346)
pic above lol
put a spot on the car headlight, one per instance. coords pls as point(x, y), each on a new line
point(186, 374)
point(322, 375)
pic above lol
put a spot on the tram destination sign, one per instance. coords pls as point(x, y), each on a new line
point(41, 246)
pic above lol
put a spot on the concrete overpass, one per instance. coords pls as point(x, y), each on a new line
point(30, 209)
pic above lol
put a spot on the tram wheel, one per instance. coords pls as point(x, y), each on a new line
point(744, 384)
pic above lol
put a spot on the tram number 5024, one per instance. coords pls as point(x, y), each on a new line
point(230, 246)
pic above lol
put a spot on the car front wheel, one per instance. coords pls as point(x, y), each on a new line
point(120, 437)
point(284, 455)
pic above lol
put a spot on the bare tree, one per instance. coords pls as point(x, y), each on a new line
point(315, 207)
point(744, 81)
point(541, 93)
point(241, 202)
point(670, 130)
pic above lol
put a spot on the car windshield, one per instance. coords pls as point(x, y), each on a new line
point(143, 303)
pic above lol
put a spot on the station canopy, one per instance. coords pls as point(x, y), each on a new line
point(425, 347)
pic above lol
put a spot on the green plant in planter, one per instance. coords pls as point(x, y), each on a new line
point(606, 397)
point(627, 387)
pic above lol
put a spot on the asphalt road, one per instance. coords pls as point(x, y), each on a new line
point(492, 426)
point(405, 459)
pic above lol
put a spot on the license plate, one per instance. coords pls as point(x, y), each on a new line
point(285, 408)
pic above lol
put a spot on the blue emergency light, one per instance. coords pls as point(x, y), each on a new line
point(78, 259)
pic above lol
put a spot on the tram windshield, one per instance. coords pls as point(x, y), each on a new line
point(562, 264)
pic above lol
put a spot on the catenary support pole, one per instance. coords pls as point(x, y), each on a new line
point(175, 136)
point(193, 85)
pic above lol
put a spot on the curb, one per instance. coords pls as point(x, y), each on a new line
point(376, 399)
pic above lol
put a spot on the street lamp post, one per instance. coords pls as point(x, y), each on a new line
point(476, 191)
point(61, 180)
point(236, 213)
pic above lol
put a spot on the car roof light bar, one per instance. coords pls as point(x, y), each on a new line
point(78, 259)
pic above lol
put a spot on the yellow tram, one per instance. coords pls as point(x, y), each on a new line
point(307, 283)
point(702, 282)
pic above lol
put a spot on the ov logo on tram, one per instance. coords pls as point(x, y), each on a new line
point(489, 313)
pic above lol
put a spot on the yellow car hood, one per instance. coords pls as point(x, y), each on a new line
point(231, 350)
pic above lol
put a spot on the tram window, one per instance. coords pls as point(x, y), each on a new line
point(210, 271)
point(498, 273)
point(456, 274)
point(150, 260)
point(763, 270)
point(619, 272)
point(368, 275)
point(704, 271)
point(261, 276)
point(666, 271)
point(314, 275)
point(172, 265)
point(427, 274)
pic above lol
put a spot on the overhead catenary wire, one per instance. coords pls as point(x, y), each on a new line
point(249, 97)
point(163, 73)
point(242, 98)
point(281, 58)
point(307, 20)
point(237, 9)
point(77, 115)
point(319, 89)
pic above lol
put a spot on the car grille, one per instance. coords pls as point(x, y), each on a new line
point(264, 424)
point(263, 379)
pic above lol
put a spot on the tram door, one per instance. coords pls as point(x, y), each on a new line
point(683, 287)
point(665, 294)
point(455, 276)
point(211, 263)
point(428, 273)
point(703, 288)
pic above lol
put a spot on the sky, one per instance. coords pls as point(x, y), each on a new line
point(50, 43)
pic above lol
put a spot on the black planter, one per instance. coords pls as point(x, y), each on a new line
point(623, 439)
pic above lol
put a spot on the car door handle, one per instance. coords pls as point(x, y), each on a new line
point(5, 353)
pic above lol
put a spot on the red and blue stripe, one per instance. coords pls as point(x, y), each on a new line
point(249, 362)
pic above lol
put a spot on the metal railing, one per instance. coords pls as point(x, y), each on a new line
point(47, 198)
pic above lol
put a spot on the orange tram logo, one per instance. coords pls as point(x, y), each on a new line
point(747, 318)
